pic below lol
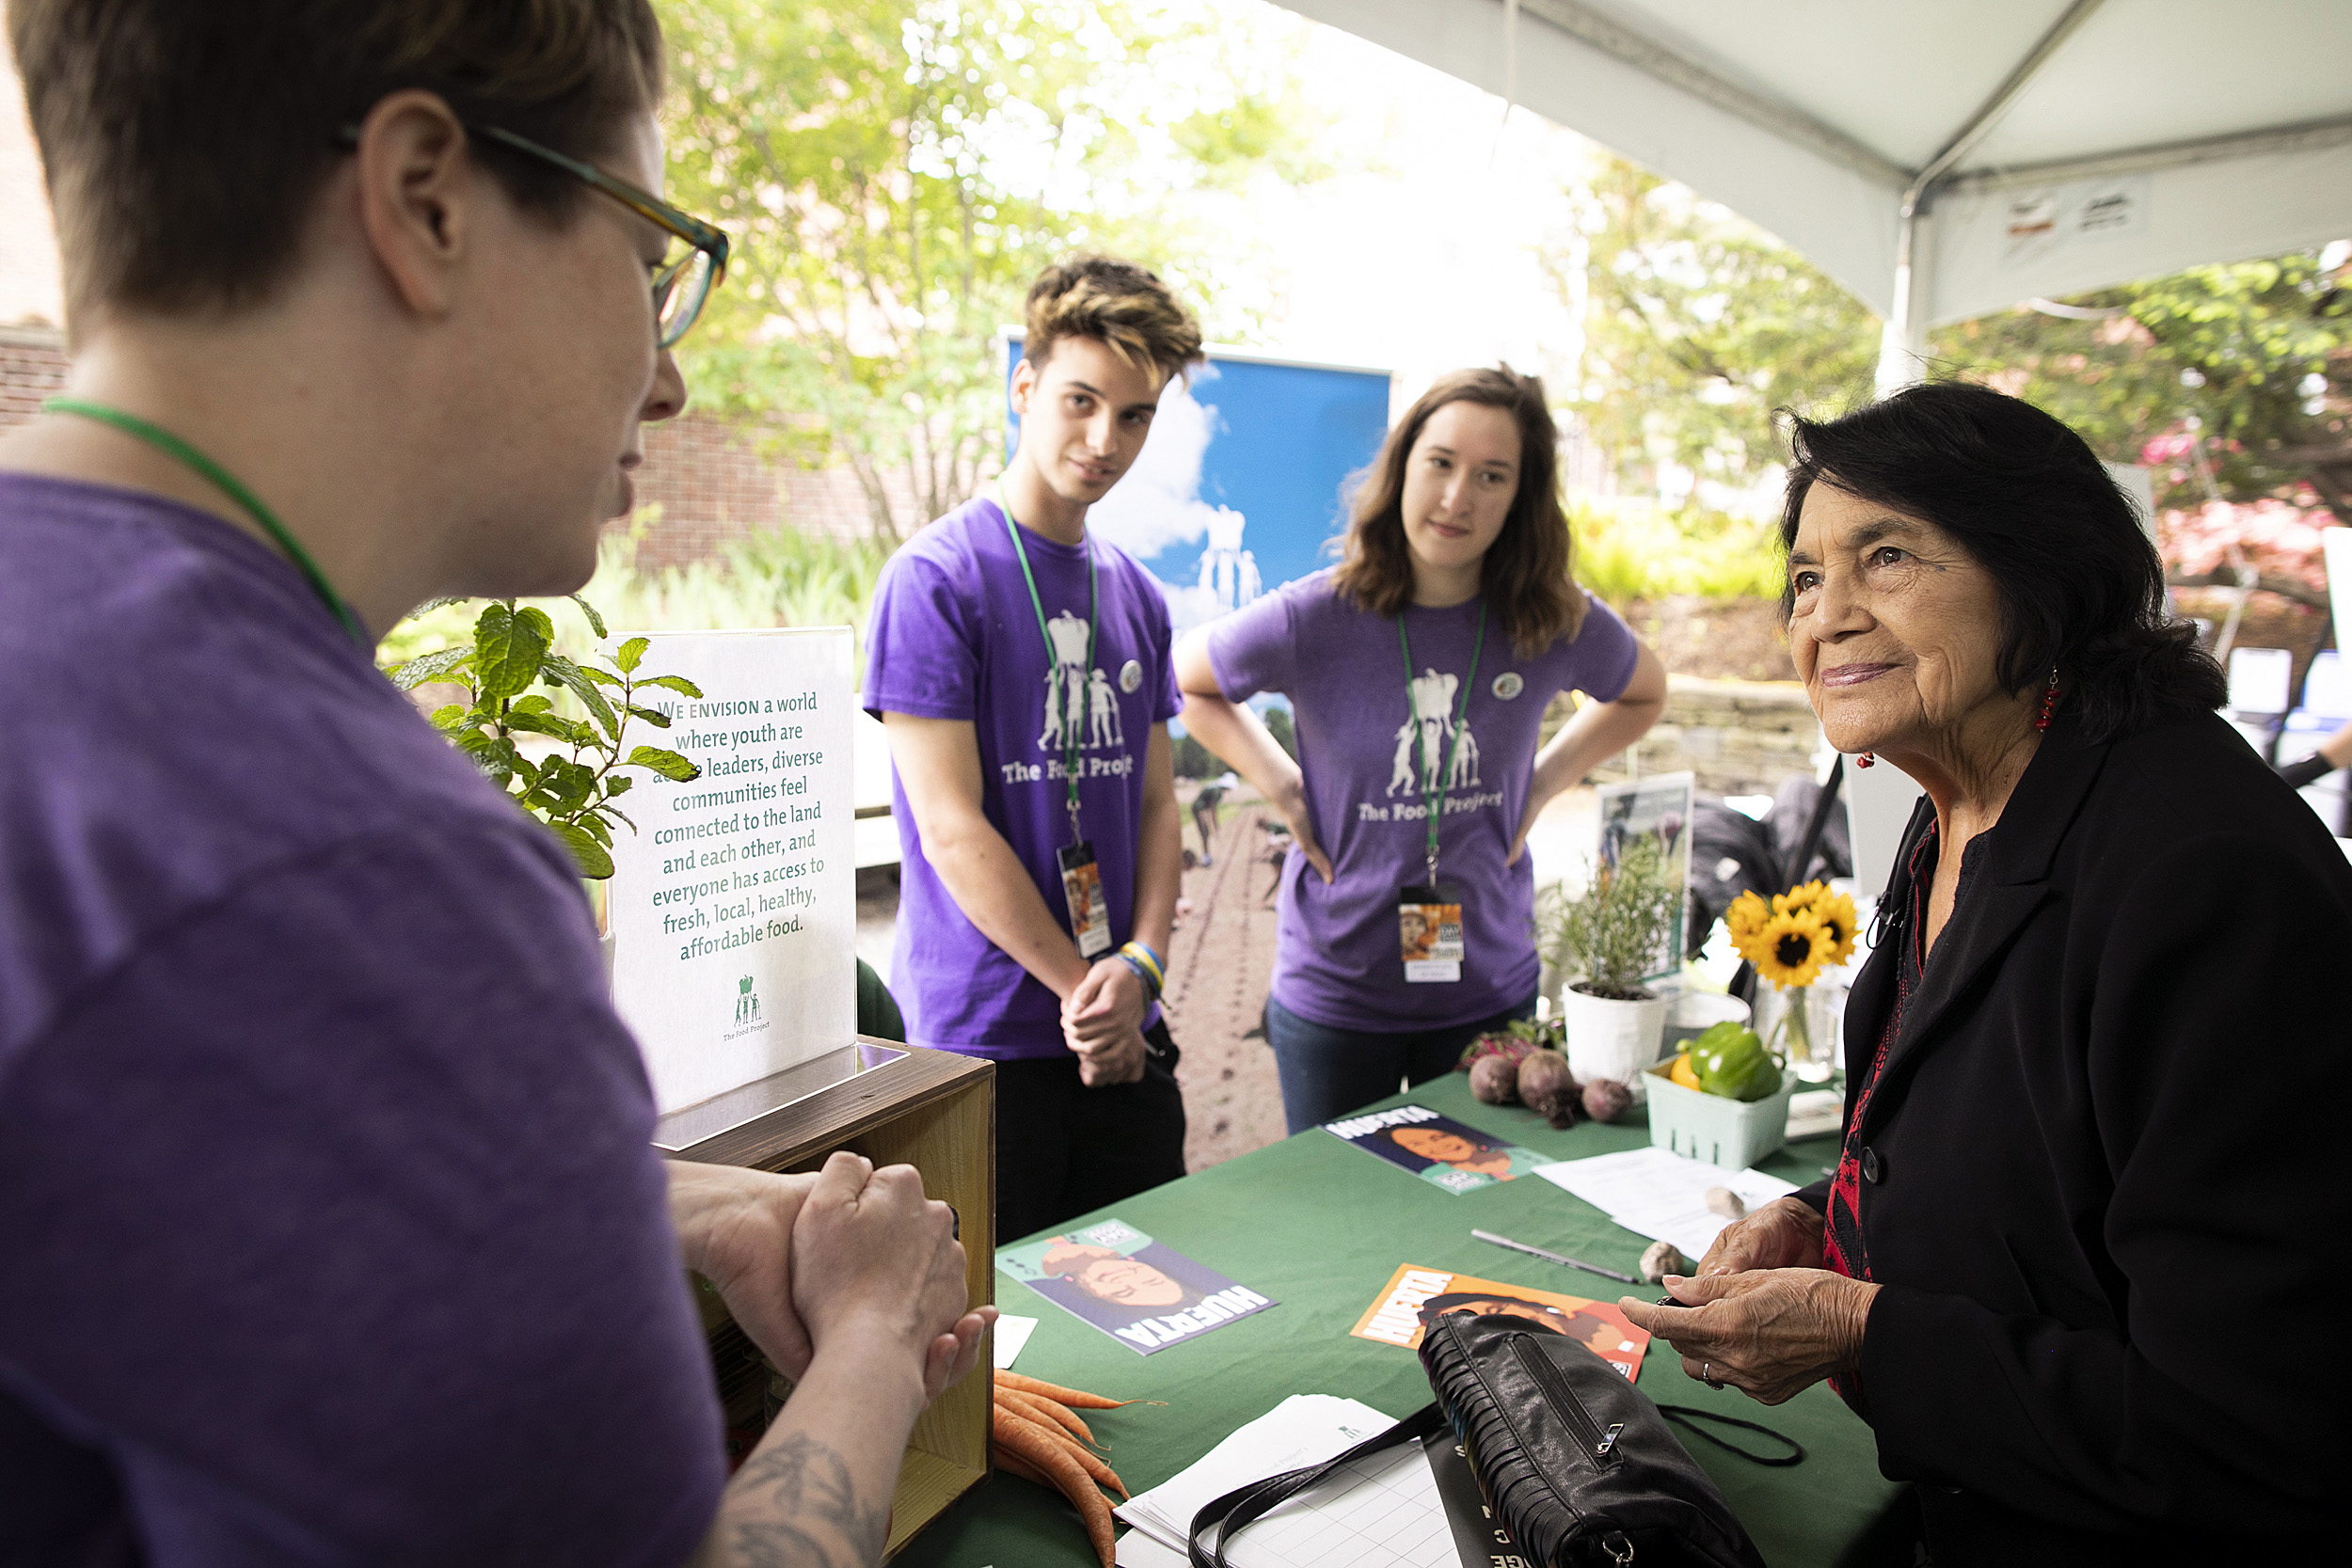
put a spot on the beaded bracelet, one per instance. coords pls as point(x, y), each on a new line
point(1147, 965)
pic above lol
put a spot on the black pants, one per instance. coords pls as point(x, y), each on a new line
point(1063, 1149)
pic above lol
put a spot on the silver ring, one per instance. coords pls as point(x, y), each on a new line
point(1706, 1374)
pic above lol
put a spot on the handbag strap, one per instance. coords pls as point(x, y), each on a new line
point(1689, 1416)
point(1244, 1505)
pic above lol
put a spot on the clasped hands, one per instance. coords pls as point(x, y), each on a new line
point(1762, 1315)
point(851, 1256)
point(1102, 1020)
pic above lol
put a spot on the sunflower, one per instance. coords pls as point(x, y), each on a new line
point(1834, 910)
point(1747, 916)
point(1790, 950)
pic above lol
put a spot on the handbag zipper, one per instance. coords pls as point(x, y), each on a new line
point(1600, 1447)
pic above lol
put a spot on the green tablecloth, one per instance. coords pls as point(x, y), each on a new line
point(1320, 1226)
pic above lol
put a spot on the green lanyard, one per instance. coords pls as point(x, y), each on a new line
point(1435, 802)
point(1071, 740)
point(172, 446)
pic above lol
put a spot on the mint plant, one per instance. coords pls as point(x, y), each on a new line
point(512, 649)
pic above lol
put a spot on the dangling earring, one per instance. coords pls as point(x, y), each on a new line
point(2049, 701)
point(1866, 760)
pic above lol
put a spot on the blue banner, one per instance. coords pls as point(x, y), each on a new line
point(1239, 490)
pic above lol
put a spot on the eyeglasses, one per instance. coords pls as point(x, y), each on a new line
point(683, 282)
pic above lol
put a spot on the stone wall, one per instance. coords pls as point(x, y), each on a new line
point(1739, 738)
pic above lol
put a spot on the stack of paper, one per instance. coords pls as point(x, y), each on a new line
point(1657, 1193)
point(1379, 1512)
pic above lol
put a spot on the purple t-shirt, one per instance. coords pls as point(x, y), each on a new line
point(1359, 739)
point(954, 636)
point(329, 1231)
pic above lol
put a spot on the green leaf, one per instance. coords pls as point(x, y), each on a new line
point(509, 648)
point(611, 810)
point(596, 622)
point(582, 684)
point(598, 826)
point(431, 605)
point(678, 684)
point(659, 720)
point(625, 657)
point(539, 722)
point(533, 704)
point(410, 674)
point(619, 783)
point(668, 764)
point(452, 718)
point(594, 862)
point(602, 677)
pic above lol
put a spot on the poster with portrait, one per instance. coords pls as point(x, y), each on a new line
point(1113, 1277)
point(1439, 1149)
point(1658, 810)
point(1416, 1295)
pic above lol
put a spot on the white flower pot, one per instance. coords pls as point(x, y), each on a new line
point(1612, 1039)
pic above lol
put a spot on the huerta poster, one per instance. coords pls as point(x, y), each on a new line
point(1439, 1149)
point(1416, 1294)
point(1114, 1277)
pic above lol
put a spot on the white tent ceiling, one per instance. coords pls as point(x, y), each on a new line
point(2042, 146)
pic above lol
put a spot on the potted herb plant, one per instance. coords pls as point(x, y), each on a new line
point(572, 785)
point(1609, 935)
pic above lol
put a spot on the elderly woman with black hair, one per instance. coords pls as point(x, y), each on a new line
point(2081, 1263)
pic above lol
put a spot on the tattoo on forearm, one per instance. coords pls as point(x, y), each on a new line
point(808, 1484)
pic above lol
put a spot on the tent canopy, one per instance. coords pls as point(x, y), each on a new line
point(1942, 161)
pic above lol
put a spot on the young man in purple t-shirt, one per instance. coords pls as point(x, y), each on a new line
point(1020, 668)
point(331, 1229)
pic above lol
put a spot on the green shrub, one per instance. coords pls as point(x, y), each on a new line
point(1635, 552)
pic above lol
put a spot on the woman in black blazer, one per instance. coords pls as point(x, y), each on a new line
point(2082, 1265)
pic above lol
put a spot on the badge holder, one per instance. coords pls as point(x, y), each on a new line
point(1082, 892)
point(1429, 932)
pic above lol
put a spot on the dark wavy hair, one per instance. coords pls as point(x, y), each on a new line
point(1525, 573)
point(2081, 586)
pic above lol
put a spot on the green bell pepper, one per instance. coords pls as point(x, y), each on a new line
point(1731, 1061)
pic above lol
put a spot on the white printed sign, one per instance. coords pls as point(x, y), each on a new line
point(734, 904)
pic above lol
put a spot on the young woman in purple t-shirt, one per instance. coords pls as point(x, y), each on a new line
point(1418, 671)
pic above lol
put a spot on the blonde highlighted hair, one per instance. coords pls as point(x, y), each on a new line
point(1119, 304)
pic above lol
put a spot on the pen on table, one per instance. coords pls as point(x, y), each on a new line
point(1553, 1256)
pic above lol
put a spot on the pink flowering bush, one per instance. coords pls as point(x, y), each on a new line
point(2277, 535)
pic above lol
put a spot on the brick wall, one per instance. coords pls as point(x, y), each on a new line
point(32, 367)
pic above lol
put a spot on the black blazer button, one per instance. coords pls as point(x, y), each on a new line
point(1870, 1165)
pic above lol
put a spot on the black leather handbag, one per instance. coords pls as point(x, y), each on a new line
point(1578, 1465)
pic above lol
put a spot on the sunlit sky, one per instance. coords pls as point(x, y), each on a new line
point(1422, 254)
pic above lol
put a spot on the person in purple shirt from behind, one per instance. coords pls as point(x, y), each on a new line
point(1458, 543)
point(991, 692)
point(330, 1230)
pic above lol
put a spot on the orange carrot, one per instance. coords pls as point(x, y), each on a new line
point(1009, 1460)
point(1038, 1408)
point(1086, 1461)
point(1076, 1399)
point(1030, 1442)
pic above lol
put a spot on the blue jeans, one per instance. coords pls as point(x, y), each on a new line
point(1327, 1072)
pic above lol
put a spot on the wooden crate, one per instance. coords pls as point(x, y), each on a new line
point(934, 1111)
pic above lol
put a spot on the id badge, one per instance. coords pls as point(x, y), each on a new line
point(1082, 891)
point(1429, 930)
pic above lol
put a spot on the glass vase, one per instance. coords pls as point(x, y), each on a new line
point(1801, 1023)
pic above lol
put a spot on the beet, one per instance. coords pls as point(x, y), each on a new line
point(1494, 1080)
point(1507, 1048)
point(1546, 1087)
point(1605, 1101)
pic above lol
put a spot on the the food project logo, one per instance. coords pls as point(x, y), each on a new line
point(746, 1003)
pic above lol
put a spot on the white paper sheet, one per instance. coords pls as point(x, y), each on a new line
point(1657, 1193)
point(1381, 1513)
point(1011, 1334)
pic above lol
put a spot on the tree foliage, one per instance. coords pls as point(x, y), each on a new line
point(2236, 346)
point(893, 173)
point(1698, 327)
